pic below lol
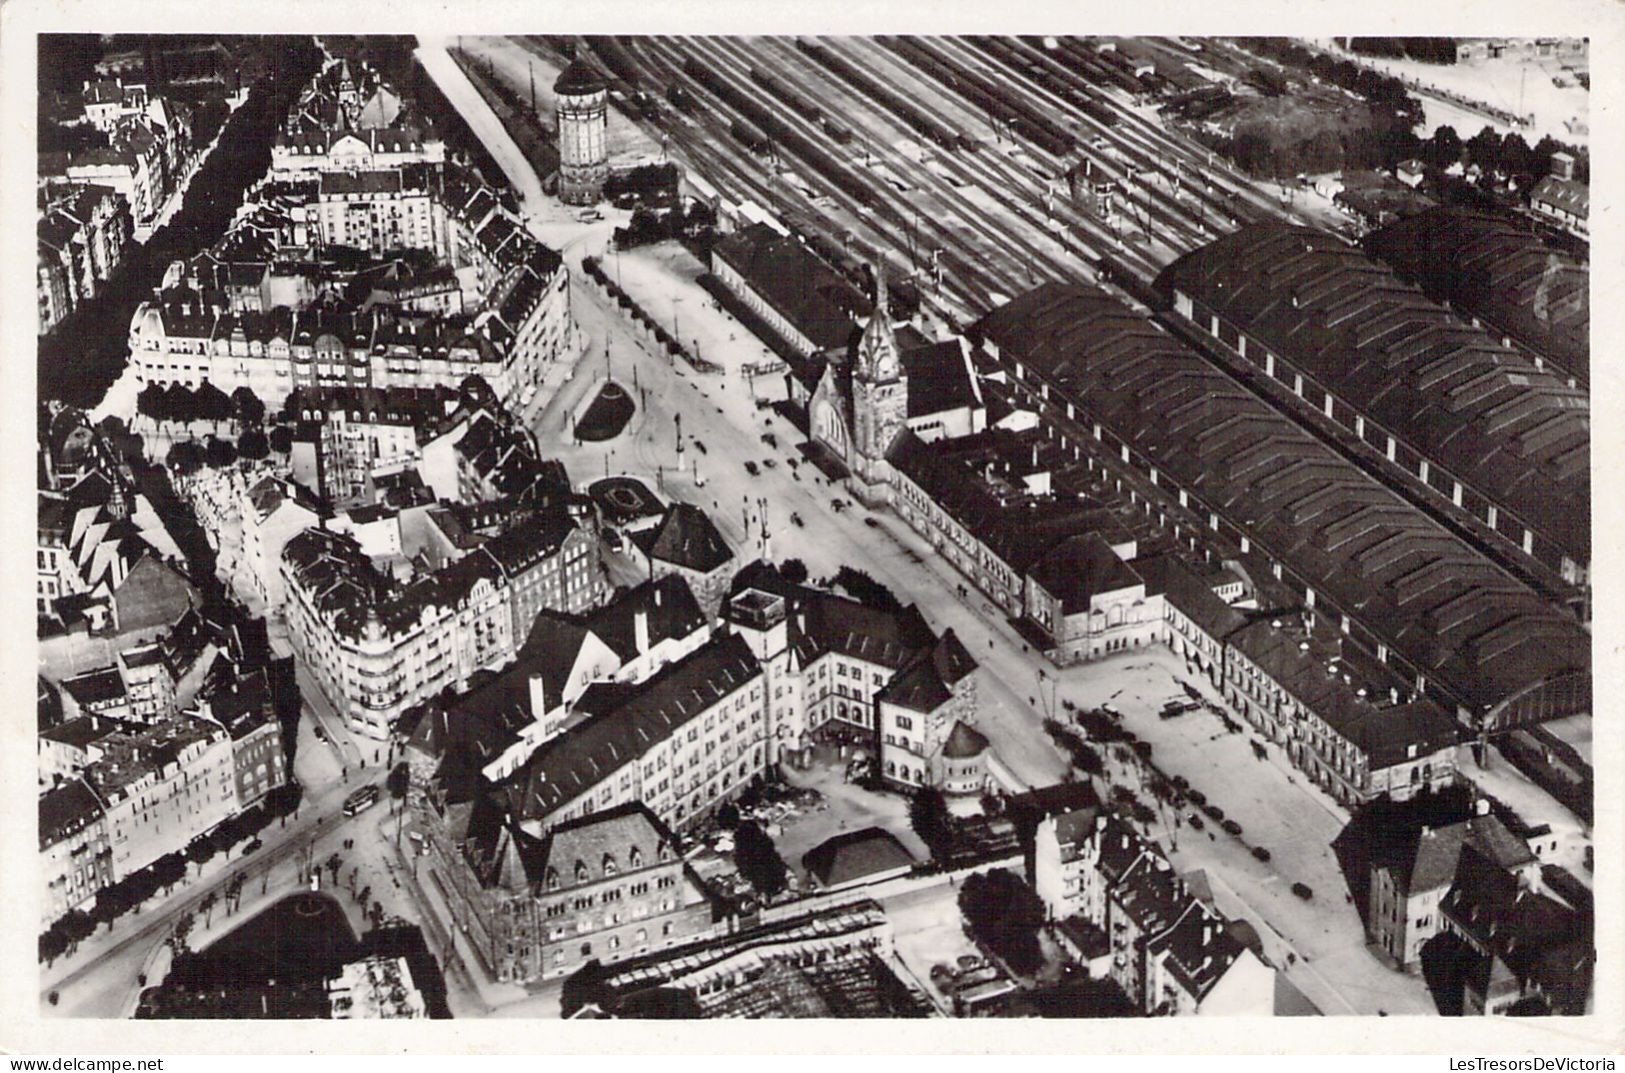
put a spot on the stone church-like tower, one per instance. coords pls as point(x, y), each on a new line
point(879, 401)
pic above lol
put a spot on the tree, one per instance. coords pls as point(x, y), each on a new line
point(200, 850)
point(1004, 914)
point(153, 403)
point(52, 944)
point(181, 932)
point(253, 444)
point(1444, 148)
point(794, 571)
point(247, 406)
point(169, 870)
point(234, 891)
point(585, 987)
point(1484, 148)
point(281, 439)
point(758, 860)
point(180, 404)
point(212, 403)
point(399, 781)
point(928, 815)
point(185, 458)
point(219, 453)
point(76, 926)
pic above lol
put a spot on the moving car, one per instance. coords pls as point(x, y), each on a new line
point(361, 800)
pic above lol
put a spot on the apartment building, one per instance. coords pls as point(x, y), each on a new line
point(161, 787)
point(75, 856)
point(377, 646)
point(1171, 953)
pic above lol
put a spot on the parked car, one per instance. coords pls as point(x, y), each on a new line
point(752, 468)
point(251, 845)
point(770, 439)
point(1195, 821)
point(1303, 891)
point(1111, 710)
point(770, 463)
point(700, 447)
point(1261, 853)
point(872, 523)
point(321, 735)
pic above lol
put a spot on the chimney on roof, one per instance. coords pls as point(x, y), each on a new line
point(1482, 806)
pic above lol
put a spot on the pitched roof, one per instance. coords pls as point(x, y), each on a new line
point(927, 683)
point(686, 537)
point(939, 377)
point(1438, 602)
point(600, 845)
point(1570, 195)
point(1448, 390)
point(1501, 273)
point(568, 765)
point(1080, 568)
point(1541, 941)
point(1431, 858)
point(65, 810)
point(670, 613)
point(801, 288)
point(964, 742)
point(856, 855)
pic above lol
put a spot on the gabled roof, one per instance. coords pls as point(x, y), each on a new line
point(1431, 859)
point(1569, 195)
point(927, 683)
point(1448, 390)
point(1543, 943)
point(1437, 601)
point(802, 289)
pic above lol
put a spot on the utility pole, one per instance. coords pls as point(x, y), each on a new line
point(532, 66)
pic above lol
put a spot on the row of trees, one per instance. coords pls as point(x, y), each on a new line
point(1385, 145)
point(162, 875)
point(181, 404)
point(1426, 49)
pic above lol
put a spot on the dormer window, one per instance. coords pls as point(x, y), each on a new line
point(552, 879)
point(609, 864)
point(664, 851)
point(635, 857)
point(581, 871)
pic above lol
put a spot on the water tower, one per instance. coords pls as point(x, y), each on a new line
point(581, 103)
